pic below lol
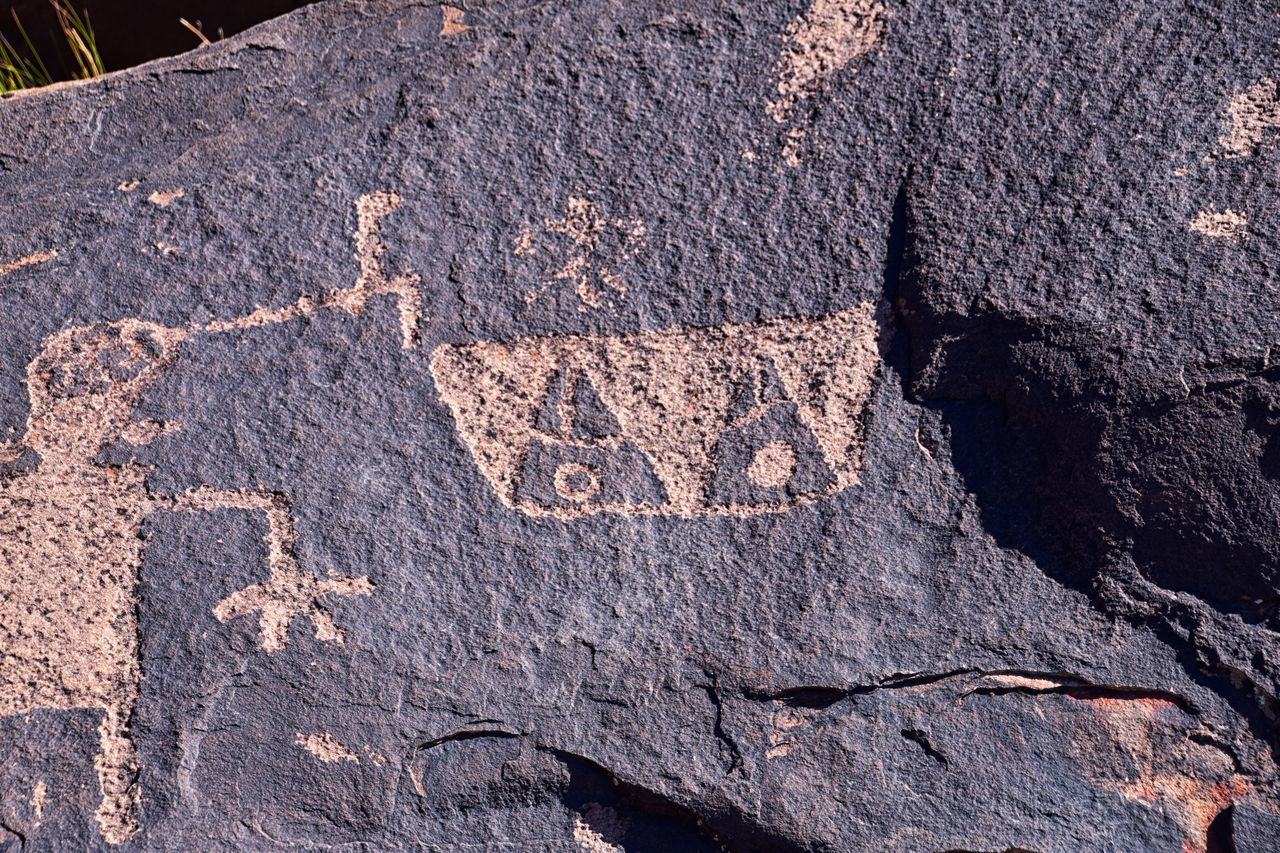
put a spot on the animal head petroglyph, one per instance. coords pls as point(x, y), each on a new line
point(739, 419)
point(86, 381)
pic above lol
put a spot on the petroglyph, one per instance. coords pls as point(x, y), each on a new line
point(373, 281)
point(164, 198)
point(586, 249)
point(598, 829)
point(30, 260)
point(70, 526)
point(70, 545)
point(290, 591)
point(1254, 116)
point(1228, 224)
point(326, 747)
point(453, 21)
point(817, 45)
point(39, 799)
point(680, 422)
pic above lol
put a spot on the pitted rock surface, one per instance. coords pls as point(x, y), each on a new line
point(814, 425)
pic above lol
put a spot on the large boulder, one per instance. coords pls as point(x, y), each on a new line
point(820, 425)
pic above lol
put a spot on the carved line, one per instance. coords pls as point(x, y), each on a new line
point(373, 280)
point(289, 591)
point(29, 260)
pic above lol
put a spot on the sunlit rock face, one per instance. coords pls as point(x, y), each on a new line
point(828, 425)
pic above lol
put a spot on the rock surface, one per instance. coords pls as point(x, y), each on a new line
point(816, 425)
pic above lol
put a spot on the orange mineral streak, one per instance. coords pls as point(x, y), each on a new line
point(1130, 708)
point(1142, 753)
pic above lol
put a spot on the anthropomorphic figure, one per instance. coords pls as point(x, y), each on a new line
point(70, 543)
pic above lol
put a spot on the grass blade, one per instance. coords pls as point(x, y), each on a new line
point(36, 72)
point(80, 38)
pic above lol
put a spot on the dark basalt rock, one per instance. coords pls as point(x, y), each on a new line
point(827, 425)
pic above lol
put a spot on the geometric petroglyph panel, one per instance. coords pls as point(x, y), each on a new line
point(739, 419)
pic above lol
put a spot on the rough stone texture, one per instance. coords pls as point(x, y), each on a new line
point(997, 571)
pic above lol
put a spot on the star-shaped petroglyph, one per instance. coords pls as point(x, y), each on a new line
point(584, 248)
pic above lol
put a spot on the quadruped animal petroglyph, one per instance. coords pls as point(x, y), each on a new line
point(70, 525)
point(738, 419)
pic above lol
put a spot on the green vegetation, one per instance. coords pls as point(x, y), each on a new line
point(80, 38)
point(18, 71)
point(25, 69)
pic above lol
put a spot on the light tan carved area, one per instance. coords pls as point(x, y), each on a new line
point(71, 541)
point(453, 21)
point(39, 799)
point(28, 261)
point(583, 248)
point(1251, 122)
point(817, 45)
point(773, 465)
point(1227, 224)
point(374, 281)
point(599, 829)
point(326, 747)
point(672, 393)
point(1254, 117)
point(164, 198)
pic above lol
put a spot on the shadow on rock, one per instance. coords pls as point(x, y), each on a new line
point(1153, 489)
point(505, 787)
